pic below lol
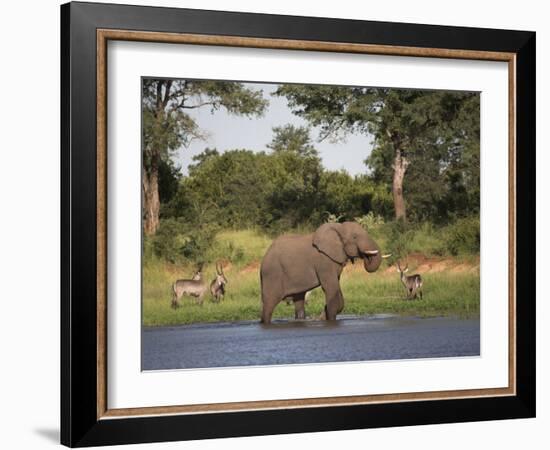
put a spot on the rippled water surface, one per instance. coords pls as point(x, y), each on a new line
point(381, 337)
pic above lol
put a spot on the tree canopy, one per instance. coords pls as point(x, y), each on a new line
point(290, 138)
point(167, 126)
point(432, 136)
point(421, 157)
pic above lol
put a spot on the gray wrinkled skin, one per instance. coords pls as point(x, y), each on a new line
point(294, 265)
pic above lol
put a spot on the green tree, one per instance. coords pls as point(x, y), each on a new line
point(167, 126)
point(228, 189)
point(293, 139)
point(409, 127)
point(439, 153)
point(169, 179)
point(295, 196)
point(348, 197)
point(296, 173)
point(242, 188)
point(201, 158)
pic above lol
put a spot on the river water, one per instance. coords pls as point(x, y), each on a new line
point(350, 338)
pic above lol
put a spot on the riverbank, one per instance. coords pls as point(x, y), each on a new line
point(451, 288)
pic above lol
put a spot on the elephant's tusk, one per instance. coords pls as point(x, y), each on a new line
point(371, 252)
point(386, 256)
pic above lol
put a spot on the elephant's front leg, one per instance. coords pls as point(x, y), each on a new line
point(335, 305)
point(334, 297)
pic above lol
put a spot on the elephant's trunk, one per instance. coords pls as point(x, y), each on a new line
point(372, 259)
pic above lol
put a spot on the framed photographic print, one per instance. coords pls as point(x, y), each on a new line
point(276, 224)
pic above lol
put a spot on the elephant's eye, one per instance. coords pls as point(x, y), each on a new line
point(354, 236)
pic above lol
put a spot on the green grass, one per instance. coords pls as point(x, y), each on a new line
point(449, 292)
point(445, 293)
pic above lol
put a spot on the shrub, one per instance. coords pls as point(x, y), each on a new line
point(462, 237)
point(370, 221)
point(227, 250)
point(177, 240)
point(400, 238)
point(240, 247)
point(428, 239)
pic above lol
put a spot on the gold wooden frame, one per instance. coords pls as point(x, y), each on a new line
point(103, 36)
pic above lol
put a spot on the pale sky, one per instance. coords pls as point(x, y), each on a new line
point(229, 132)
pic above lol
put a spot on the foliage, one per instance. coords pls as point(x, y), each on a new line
point(176, 241)
point(432, 135)
point(350, 197)
point(294, 198)
point(229, 190)
point(463, 236)
point(169, 180)
point(400, 239)
point(234, 201)
point(442, 179)
point(286, 188)
point(242, 188)
point(241, 248)
point(370, 221)
point(167, 126)
point(277, 191)
point(293, 139)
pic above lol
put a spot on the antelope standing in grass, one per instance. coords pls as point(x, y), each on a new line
point(195, 287)
point(412, 283)
point(217, 287)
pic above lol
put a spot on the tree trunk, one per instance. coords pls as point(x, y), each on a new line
point(151, 200)
point(400, 164)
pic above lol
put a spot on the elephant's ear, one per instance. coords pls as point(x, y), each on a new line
point(328, 241)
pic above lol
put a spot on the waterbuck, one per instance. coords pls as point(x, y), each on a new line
point(195, 287)
point(412, 283)
point(217, 287)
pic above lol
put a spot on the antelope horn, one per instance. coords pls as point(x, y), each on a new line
point(386, 256)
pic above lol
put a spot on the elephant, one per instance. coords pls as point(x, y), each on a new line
point(296, 264)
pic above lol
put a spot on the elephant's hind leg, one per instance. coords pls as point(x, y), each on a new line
point(269, 301)
point(272, 294)
point(268, 306)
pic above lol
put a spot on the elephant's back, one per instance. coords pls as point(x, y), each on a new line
point(286, 246)
point(287, 242)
